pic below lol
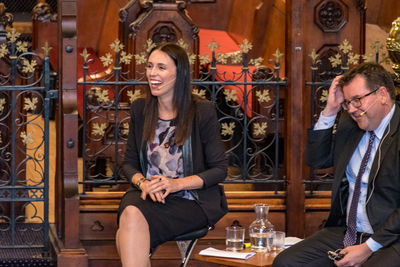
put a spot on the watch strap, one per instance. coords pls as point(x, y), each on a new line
point(139, 182)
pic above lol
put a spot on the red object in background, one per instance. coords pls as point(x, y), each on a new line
point(227, 72)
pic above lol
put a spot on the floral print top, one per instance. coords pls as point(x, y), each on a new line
point(164, 157)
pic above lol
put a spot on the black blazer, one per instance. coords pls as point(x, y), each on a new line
point(325, 149)
point(203, 155)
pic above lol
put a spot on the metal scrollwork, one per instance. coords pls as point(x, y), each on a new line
point(248, 103)
point(24, 142)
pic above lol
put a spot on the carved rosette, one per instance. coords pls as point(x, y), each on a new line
point(393, 46)
point(331, 15)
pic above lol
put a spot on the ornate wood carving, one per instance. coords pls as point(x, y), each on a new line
point(164, 33)
point(330, 15)
point(159, 21)
point(6, 19)
point(360, 5)
point(127, 15)
point(43, 12)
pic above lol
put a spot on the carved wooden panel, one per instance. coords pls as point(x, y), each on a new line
point(330, 15)
point(161, 22)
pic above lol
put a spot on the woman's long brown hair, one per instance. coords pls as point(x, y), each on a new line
point(183, 102)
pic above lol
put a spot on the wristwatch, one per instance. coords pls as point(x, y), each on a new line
point(139, 182)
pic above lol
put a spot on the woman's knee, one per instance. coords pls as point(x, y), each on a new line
point(132, 217)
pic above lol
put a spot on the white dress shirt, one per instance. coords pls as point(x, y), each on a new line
point(363, 224)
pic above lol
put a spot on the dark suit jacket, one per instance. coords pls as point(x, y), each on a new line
point(203, 155)
point(325, 149)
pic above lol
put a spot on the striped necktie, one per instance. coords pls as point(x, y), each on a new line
point(351, 231)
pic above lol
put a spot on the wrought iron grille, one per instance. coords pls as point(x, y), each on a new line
point(25, 6)
point(323, 70)
point(24, 146)
point(249, 106)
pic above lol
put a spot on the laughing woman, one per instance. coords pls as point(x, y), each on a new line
point(174, 159)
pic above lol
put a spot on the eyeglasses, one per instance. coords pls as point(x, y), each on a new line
point(335, 255)
point(356, 102)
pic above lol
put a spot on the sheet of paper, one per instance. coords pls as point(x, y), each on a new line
point(226, 254)
point(291, 240)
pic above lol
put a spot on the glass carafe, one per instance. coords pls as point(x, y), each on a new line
point(261, 231)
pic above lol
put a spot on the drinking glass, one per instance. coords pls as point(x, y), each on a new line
point(234, 238)
point(279, 241)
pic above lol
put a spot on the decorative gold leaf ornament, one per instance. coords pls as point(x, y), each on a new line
point(2, 104)
point(204, 59)
point(379, 49)
point(28, 66)
point(3, 50)
point(256, 61)
point(46, 49)
point(126, 58)
point(199, 92)
point(222, 58)
point(117, 46)
point(125, 129)
point(336, 60)
point(99, 129)
point(85, 55)
point(277, 55)
point(227, 129)
point(13, 35)
point(107, 60)
point(345, 47)
point(246, 46)
point(102, 95)
point(149, 45)
point(230, 95)
point(192, 58)
point(314, 60)
point(369, 58)
point(22, 46)
point(354, 58)
point(30, 104)
point(133, 95)
point(377, 46)
point(27, 138)
point(213, 45)
point(259, 129)
point(140, 58)
point(263, 96)
point(236, 57)
point(324, 96)
point(182, 44)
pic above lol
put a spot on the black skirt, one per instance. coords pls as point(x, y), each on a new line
point(166, 221)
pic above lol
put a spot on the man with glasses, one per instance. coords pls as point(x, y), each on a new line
point(363, 227)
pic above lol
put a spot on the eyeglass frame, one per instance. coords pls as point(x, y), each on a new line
point(335, 255)
point(345, 104)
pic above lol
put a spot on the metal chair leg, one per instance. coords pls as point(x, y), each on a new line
point(186, 249)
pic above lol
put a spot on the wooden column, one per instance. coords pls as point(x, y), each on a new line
point(295, 70)
point(68, 247)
